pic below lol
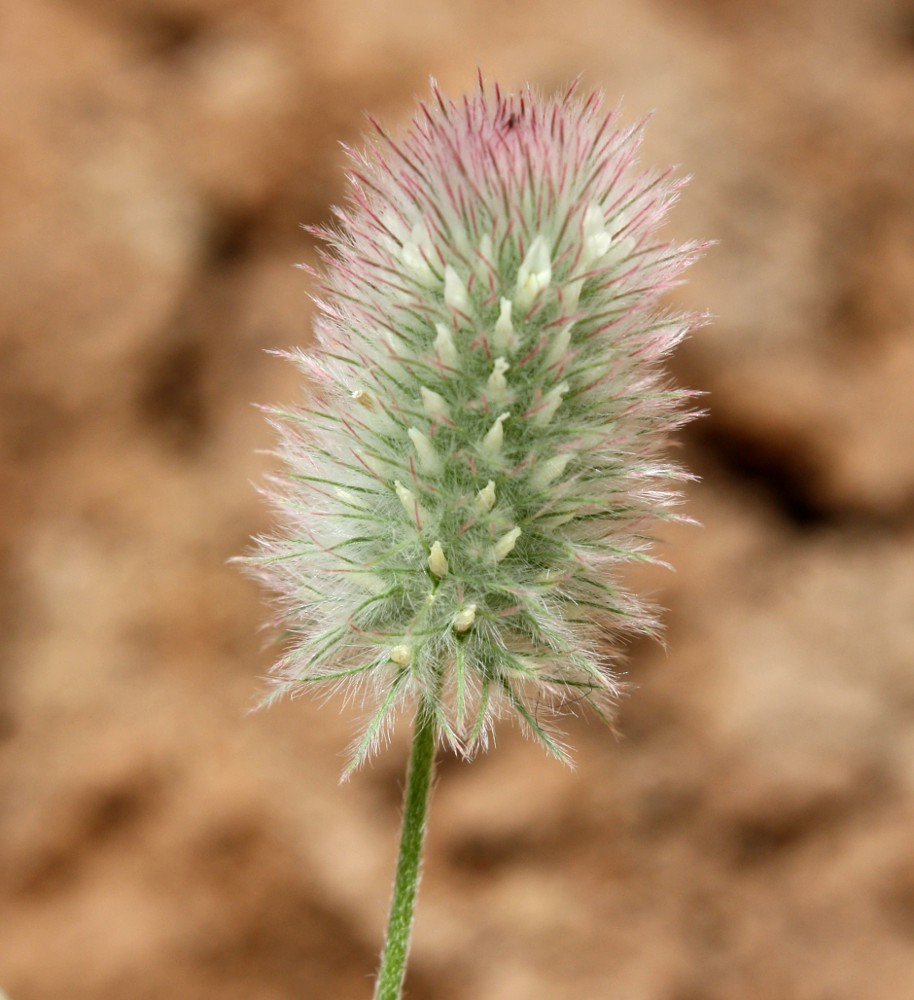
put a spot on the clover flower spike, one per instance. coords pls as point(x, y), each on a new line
point(483, 444)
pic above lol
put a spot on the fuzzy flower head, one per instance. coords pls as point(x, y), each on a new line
point(482, 445)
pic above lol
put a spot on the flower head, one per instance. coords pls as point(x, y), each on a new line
point(482, 448)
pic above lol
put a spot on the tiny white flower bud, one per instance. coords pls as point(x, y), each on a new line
point(406, 495)
point(497, 385)
point(434, 404)
point(492, 442)
point(455, 291)
point(416, 263)
point(505, 545)
point(410, 504)
point(437, 562)
point(485, 498)
point(369, 582)
point(547, 472)
point(461, 239)
point(349, 498)
point(596, 239)
point(551, 402)
point(402, 655)
point(428, 457)
point(571, 295)
point(626, 246)
point(485, 249)
point(416, 251)
point(504, 328)
point(393, 224)
point(444, 346)
point(559, 346)
point(534, 274)
point(464, 618)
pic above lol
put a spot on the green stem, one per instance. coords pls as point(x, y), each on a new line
point(412, 837)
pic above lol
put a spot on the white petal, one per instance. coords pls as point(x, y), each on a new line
point(464, 618)
point(444, 346)
point(571, 295)
point(437, 562)
point(455, 291)
point(547, 472)
point(410, 504)
point(485, 252)
point(504, 328)
point(534, 274)
point(559, 346)
point(497, 386)
point(552, 401)
point(425, 450)
point(416, 252)
point(435, 405)
point(485, 498)
point(596, 237)
point(491, 444)
point(505, 545)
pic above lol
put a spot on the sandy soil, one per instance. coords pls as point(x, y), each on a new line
point(749, 835)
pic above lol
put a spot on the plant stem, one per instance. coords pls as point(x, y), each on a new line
point(412, 837)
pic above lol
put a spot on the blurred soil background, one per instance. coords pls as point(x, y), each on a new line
point(750, 834)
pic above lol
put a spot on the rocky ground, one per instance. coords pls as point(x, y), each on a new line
point(749, 834)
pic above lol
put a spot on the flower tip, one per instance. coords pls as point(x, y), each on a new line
point(437, 562)
point(464, 618)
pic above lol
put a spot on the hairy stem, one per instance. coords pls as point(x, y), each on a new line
point(412, 837)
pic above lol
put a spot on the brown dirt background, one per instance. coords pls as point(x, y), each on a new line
point(749, 836)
